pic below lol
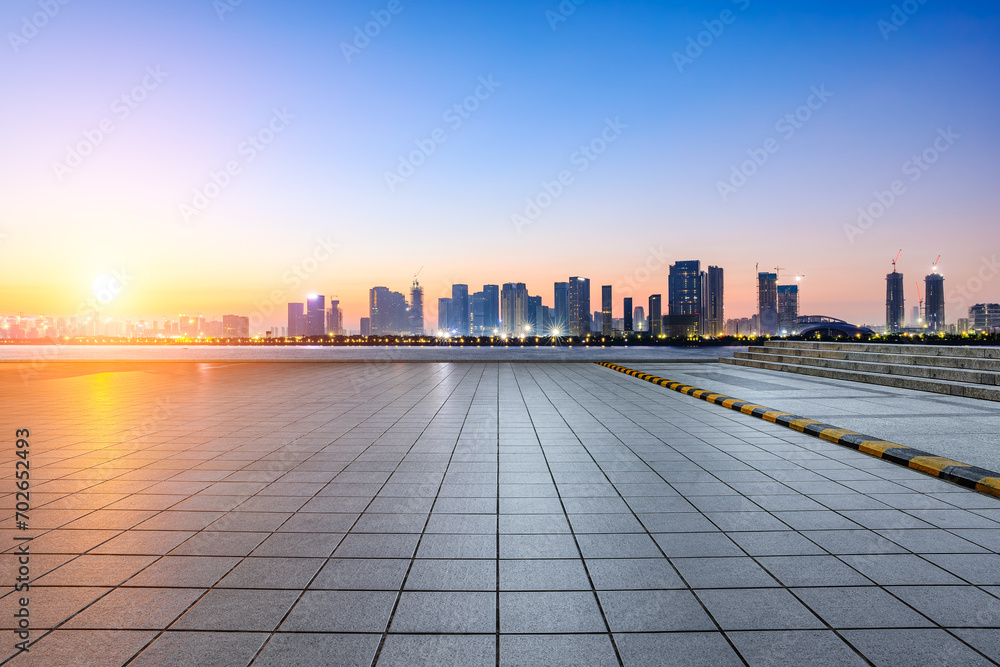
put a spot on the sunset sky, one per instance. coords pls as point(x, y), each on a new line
point(206, 151)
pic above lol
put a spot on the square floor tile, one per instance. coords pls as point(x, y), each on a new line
point(654, 611)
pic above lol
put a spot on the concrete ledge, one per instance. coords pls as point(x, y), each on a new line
point(971, 477)
point(951, 388)
point(970, 351)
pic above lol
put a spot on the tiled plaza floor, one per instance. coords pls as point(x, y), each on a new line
point(964, 429)
point(470, 514)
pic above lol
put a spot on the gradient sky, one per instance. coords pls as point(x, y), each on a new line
point(652, 194)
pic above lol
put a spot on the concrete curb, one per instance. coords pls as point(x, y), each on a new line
point(963, 474)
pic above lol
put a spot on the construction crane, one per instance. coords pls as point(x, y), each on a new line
point(417, 273)
point(920, 307)
point(778, 270)
point(934, 268)
point(896, 260)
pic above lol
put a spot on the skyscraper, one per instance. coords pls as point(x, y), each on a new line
point(606, 328)
point(579, 306)
point(416, 309)
point(684, 296)
point(716, 319)
point(535, 316)
point(460, 316)
point(513, 308)
point(894, 304)
point(296, 319)
point(315, 315)
point(934, 303)
point(491, 309)
point(767, 303)
point(788, 309)
point(387, 310)
point(655, 314)
point(560, 315)
point(639, 319)
point(444, 314)
point(627, 308)
point(335, 319)
point(478, 307)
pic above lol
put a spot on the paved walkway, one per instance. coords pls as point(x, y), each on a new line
point(964, 429)
point(472, 514)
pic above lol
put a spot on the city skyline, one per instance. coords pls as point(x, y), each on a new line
point(693, 304)
point(469, 140)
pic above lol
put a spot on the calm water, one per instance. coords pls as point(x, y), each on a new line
point(45, 353)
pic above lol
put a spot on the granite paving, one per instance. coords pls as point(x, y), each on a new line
point(469, 514)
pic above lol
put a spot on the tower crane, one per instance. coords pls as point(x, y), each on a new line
point(896, 260)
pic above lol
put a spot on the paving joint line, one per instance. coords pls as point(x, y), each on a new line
point(969, 476)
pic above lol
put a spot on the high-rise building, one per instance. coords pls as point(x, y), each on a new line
point(606, 324)
point(477, 304)
point(366, 326)
point(315, 315)
point(934, 303)
point(535, 316)
point(296, 319)
point(686, 293)
point(715, 319)
point(388, 312)
point(560, 311)
point(597, 322)
point(460, 316)
point(334, 319)
point(444, 315)
point(915, 317)
point(788, 309)
point(894, 305)
point(984, 317)
point(235, 326)
point(579, 306)
point(416, 309)
point(513, 309)
point(639, 319)
point(767, 303)
point(655, 314)
point(491, 309)
point(627, 309)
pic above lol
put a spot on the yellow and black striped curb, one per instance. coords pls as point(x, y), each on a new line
point(963, 474)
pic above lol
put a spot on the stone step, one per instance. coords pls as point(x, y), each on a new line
point(979, 352)
point(903, 367)
point(963, 389)
point(967, 363)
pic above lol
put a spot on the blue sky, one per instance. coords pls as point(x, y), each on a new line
point(681, 131)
